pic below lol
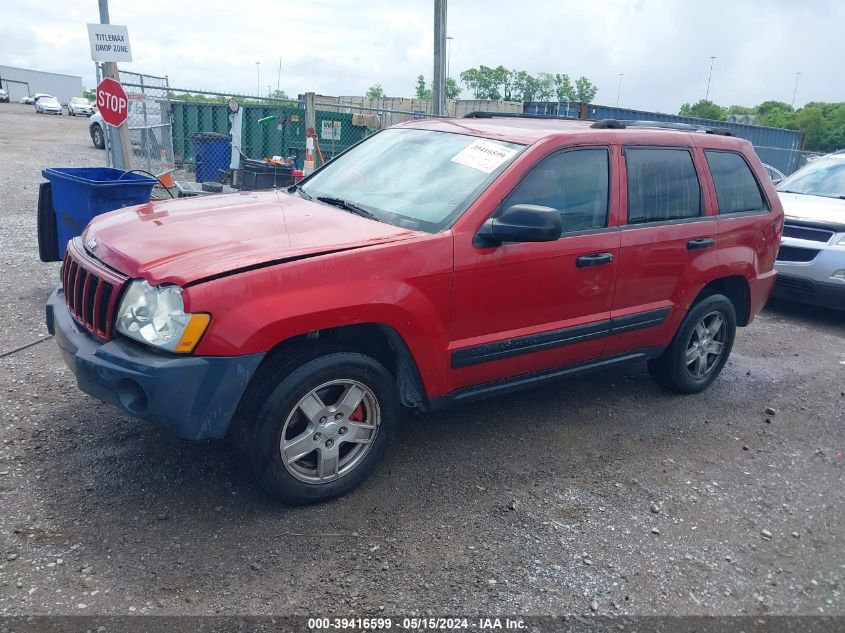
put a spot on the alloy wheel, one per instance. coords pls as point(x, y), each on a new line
point(329, 431)
point(706, 345)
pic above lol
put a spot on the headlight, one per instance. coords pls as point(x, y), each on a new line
point(156, 315)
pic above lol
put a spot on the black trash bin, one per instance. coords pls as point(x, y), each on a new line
point(258, 174)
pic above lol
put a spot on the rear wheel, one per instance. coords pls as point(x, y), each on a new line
point(319, 431)
point(700, 348)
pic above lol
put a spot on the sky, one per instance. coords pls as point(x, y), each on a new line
point(662, 48)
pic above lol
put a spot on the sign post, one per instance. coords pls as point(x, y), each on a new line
point(110, 44)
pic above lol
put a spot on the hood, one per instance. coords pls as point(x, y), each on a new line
point(186, 240)
point(819, 209)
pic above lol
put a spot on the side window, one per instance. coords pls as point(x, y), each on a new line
point(575, 182)
point(662, 185)
point(736, 187)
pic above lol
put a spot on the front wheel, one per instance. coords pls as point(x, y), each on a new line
point(319, 431)
point(97, 137)
point(700, 348)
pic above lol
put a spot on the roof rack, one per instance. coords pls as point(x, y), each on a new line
point(615, 124)
point(513, 115)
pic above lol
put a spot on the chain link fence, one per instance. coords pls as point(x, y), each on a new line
point(203, 141)
point(149, 124)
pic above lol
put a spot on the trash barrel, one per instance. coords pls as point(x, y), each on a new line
point(81, 193)
point(212, 154)
point(258, 174)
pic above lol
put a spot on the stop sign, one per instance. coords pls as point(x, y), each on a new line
point(112, 102)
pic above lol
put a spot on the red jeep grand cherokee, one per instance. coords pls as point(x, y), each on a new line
point(434, 263)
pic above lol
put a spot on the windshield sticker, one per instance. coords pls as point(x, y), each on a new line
point(484, 156)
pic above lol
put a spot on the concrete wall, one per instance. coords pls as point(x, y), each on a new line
point(20, 82)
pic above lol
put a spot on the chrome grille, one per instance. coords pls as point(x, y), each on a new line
point(91, 291)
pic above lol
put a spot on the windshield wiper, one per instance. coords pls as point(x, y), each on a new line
point(298, 189)
point(346, 205)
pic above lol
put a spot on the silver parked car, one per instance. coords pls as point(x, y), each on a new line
point(48, 105)
point(79, 106)
point(97, 130)
point(811, 260)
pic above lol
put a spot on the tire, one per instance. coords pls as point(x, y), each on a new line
point(48, 239)
point(97, 137)
point(700, 348)
point(356, 399)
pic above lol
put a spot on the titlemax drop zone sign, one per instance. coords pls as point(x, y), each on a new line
point(109, 43)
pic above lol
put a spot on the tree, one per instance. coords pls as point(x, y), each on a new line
point(423, 92)
point(90, 94)
point(524, 87)
point(704, 109)
point(776, 114)
point(585, 91)
point(453, 90)
point(545, 89)
point(738, 109)
point(563, 88)
point(471, 79)
point(279, 94)
point(375, 91)
point(488, 83)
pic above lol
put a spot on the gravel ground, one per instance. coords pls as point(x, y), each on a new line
point(603, 495)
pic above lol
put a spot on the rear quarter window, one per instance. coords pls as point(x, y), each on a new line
point(737, 190)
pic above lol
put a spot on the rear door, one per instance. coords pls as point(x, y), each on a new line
point(524, 307)
point(667, 244)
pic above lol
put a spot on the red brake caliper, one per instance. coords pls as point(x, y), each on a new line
point(357, 414)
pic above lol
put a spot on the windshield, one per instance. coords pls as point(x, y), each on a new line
point(79, 101)
point(419, 179)
point(823, 177)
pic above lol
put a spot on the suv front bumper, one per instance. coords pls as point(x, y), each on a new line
point(810, 291)
point(194, 397)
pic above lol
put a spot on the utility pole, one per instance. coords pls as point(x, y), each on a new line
point(121, 148)
point(279, 76)
point(619, 89)
point(449, 39)
point(439, 81)
point(257, 79)
point(795, 92)
point(709, 76)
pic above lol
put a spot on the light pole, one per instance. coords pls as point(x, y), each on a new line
point(279, 77)
point(795, 92)
point(619, 89)
point(449, 39)
point(257, 79)
point(709, 76)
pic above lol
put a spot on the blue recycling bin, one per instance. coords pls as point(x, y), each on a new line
point(212, 155)
point(81, 193)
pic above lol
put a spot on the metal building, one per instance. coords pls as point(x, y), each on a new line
point(22, 82)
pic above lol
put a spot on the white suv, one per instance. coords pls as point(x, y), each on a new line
point(811, 259)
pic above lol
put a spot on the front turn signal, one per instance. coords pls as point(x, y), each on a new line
point(193, 333)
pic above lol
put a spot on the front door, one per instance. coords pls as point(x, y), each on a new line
point(524, 307)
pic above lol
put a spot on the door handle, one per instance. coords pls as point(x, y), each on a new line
point(700, 243)
point(596, 259)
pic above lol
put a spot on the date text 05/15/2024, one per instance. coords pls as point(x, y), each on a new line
point(415, 624)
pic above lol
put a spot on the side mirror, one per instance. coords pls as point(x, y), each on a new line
point(521, 223)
